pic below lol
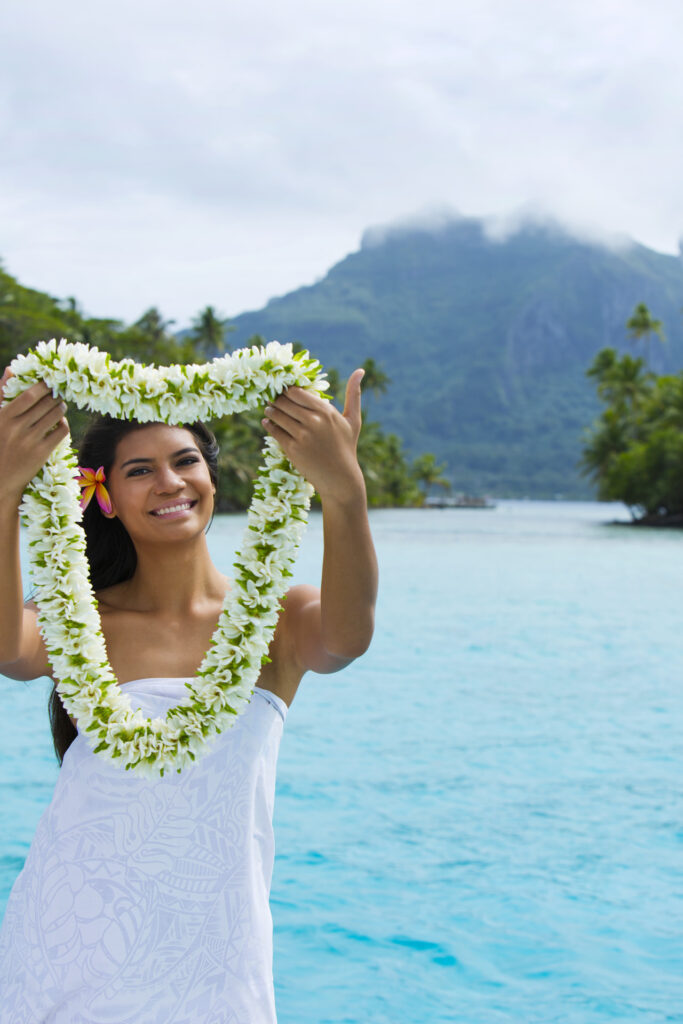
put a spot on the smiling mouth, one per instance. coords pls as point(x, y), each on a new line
point(181, 506)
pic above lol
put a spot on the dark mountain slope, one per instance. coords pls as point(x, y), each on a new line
point(486, 342)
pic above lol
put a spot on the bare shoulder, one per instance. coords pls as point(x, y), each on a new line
point(297, 646)
point(298, 598)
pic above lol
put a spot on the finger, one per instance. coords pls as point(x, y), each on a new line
point(302, 396)
point(27, 399)
point(352, 400)
point(280, 435)
point(293, 409)
point(47, 405)
point(57, 433)
point(282, 420)
point(50, 418)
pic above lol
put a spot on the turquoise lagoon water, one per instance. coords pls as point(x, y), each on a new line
point(482, 819)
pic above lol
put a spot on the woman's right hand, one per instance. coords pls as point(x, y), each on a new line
point(31, 425)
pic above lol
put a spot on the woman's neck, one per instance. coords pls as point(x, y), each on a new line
point(174, 580)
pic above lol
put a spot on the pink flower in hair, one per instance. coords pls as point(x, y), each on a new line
point(92, 482)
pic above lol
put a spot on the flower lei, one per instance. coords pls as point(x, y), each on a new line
point(50, 508)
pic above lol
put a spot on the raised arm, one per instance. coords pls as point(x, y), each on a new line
point(333, 625)
point(30, 427)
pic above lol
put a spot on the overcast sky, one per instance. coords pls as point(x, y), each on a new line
point(181, 155)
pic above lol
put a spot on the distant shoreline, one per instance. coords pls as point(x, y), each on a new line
point(659, 522)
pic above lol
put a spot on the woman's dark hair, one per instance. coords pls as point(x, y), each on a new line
point(109, 548)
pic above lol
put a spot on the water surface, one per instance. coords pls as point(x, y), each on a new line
point(482, 819)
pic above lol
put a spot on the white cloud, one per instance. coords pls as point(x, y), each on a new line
point(157, 153)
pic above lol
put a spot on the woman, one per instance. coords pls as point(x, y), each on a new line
point(145, 901)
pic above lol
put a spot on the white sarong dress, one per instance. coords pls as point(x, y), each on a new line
point(146, 901)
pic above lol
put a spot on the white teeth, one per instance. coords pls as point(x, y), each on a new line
point(172, 508)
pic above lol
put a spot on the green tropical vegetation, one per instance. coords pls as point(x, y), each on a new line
point(28, 316)
point(642, 326)
point(634, 453)
point(486, 341)
point(474, 349)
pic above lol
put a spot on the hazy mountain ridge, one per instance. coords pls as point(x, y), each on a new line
point(486, 342)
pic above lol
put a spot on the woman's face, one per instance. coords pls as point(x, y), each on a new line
point(160, 485)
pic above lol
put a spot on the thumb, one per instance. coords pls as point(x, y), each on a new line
point(352, 398)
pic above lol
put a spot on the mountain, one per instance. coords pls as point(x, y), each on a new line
point(486, 341)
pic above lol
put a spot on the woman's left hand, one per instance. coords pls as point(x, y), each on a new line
point(319, 440)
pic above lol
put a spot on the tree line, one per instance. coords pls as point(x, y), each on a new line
point(634, 453)
point(28, 316)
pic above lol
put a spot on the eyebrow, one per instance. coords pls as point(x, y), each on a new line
point(181, 451)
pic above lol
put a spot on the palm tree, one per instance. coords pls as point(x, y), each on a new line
point(668, 404)
point(375, 380)
point(642, 325)
point(153, 324)
point(602, 445)
point(208, 333)
point(622, 383)
point(71, 311)
point(428, 473)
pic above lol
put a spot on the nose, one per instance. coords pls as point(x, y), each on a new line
point(168, 481)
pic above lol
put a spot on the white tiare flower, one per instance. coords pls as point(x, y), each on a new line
point(97, 362)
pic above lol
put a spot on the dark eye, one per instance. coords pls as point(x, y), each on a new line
point(188, 460)
point(136, 472)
